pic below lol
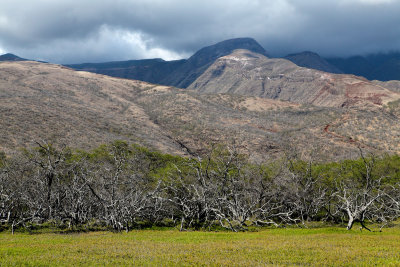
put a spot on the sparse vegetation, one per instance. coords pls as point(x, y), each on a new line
point(85, 110)
point(122, 187)
point(287, 165)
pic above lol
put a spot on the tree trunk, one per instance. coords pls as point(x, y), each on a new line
point(363, 225)
point(182, 221)
point(350, 223)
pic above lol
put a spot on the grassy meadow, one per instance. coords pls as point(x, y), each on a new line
point(320, 246)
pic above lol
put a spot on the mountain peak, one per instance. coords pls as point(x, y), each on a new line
point(226, 47)
point(205, 57)
point(10, 57)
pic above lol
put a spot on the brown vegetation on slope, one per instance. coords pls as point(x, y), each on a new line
point(44, 101)
point(80, 109)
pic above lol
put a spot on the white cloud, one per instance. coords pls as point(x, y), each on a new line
point(137, 43)
point(66, 31)
point(107, 44)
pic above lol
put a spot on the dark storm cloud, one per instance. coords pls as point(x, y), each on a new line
point(90, 30)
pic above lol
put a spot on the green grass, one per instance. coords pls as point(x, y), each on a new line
point(323, 246)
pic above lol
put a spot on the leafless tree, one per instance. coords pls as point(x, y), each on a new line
point(359, 195)
point(120, 185)
point(123, 192)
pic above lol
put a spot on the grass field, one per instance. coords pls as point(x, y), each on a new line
point(323, 246)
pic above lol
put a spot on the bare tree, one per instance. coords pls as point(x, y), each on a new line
point(359, 194)
point(123, 192)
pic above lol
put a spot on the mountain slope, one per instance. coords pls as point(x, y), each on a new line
point(389, 70)
point(77, 108)
point(11, 57)
point(247, 73)
point(383, 67)
point(150, 70)
point(186, 74)
point(83, 110)
point(312, 60)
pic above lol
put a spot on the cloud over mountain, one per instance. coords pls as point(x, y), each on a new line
point(69, 31)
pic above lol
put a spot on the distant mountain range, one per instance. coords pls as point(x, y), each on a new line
point(383, 67)
point(178, 73)
point(182, 73)
point(312, 60)
point(11, 57)
point(150, 70)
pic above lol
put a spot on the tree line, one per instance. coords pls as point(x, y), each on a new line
point(121, 186)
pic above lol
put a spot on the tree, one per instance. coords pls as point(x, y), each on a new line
point(122, 189)
point(359, 190)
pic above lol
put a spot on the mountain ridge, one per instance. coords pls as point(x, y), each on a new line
point(181, 73)
point(312, 60)
point(82, 110)
point(186, 74)
point(178, 73)
point(383, 67)
point(246, 73)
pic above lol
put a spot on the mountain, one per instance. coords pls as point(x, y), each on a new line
point(11, 57)
point(312, 60)
point(150, 70)
point(183, 73)
point(389, 70)
point(179, 73)
point(356, 65)
point(383, 67)
point(247, 73)
point(50, 102)
point(186, 74)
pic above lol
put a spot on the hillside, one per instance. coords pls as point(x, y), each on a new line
point(44, 101)
point(81, 109)
point(247, 73)
point(312, 60)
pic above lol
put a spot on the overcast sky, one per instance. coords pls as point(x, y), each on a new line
point(75, 31)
